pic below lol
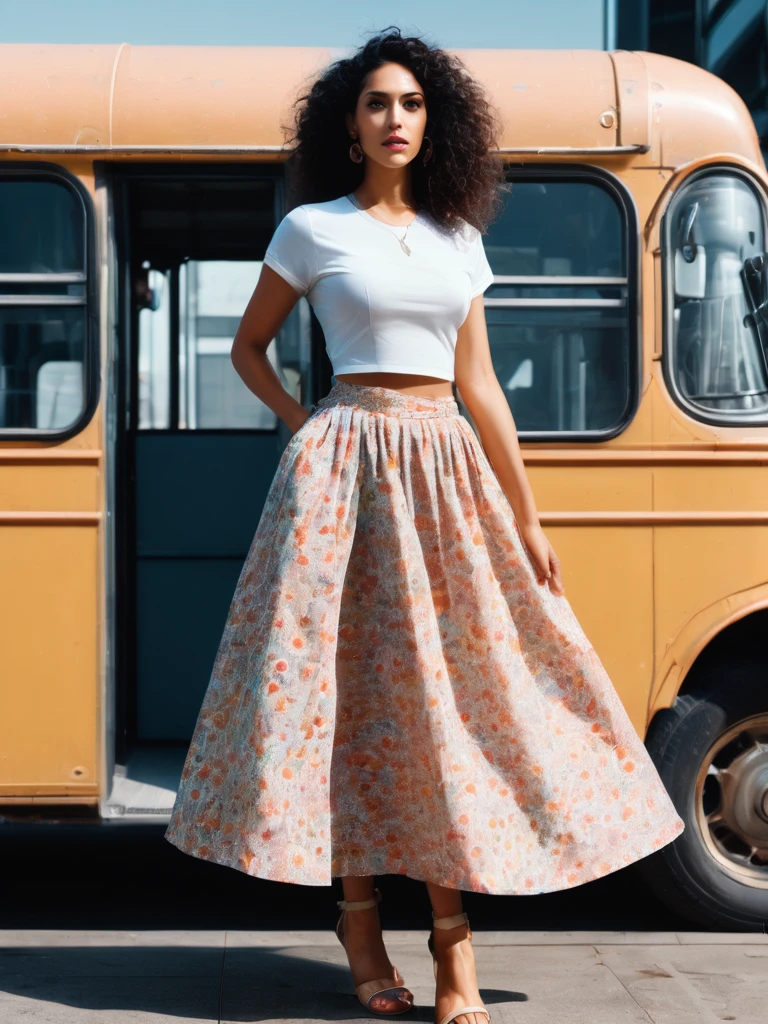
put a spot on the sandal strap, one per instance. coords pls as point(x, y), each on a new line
point(366, 990)
point(360, 904)
point(464, 1009)
point(450, 922)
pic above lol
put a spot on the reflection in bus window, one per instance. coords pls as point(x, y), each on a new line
point(29, 339)
point(42, 305)
point(59, 393)
point(713, 225)
point(557, 310)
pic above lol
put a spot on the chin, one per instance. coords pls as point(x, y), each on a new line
point(396, 158)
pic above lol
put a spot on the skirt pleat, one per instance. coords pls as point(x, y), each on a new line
point(394, 691)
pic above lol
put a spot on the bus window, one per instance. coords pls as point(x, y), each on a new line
point(59, 392)
point(559, 310)
point(212, 296)
point(713, 360)
point(43, 303)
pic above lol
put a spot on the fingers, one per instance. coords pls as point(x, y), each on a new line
point(543, 572)
point(556, 578)
point(547, 569)
point(540, 568)
point(551, 574)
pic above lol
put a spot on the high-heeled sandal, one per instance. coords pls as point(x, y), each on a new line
point(391, 988)
point(452, 922)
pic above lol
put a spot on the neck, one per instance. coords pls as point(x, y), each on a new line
point(386, 189)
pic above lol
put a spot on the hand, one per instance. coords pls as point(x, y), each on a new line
point(304, 420)
point(542, 555)
point(301, 425)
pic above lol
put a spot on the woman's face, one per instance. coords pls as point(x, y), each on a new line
point(391, 103)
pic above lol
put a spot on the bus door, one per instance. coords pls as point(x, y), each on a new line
point(196, 450)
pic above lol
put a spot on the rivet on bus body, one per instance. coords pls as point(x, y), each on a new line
point(608, 118)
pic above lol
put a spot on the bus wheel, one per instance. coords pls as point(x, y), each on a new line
point(711, 752)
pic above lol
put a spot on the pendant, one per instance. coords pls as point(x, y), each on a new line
point(404, 247)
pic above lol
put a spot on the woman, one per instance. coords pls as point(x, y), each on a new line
point(402, 686)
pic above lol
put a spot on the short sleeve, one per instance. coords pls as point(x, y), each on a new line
point(291, 251)
point(480, 273)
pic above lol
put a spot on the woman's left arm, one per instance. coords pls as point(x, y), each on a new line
point(486, 403)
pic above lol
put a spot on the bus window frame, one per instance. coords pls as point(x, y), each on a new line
point(695, 412)
point(625, 201)
point(27, 170)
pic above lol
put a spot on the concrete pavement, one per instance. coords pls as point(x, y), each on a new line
point(526, 977)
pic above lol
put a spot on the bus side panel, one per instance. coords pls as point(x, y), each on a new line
point(48, 631)
point(700, 565)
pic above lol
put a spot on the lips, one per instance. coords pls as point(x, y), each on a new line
point(394, 139)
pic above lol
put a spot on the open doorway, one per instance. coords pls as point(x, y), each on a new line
point(196, 450)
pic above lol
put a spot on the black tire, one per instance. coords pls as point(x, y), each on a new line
point(685, 874)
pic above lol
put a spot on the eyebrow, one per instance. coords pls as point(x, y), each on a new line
point(380, 92)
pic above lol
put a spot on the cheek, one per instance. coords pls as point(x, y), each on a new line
point(370, 125)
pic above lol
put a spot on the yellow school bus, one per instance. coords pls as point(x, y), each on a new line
point(139, 187)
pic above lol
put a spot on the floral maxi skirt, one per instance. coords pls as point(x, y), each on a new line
point(395, 692)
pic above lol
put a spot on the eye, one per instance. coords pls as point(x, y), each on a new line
point(416, 102)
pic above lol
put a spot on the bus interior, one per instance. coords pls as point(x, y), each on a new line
point(194, 449)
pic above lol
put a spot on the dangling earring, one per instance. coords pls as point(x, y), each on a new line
point(355, 152)
point(428, 153)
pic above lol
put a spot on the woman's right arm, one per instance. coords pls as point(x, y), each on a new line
point(272, 300)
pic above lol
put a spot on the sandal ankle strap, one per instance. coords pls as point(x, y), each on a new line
point(450, 922)
point(360, 904)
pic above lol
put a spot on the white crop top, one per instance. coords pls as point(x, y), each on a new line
point(381, 309)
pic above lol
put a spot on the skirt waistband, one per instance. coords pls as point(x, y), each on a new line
point(388, 401)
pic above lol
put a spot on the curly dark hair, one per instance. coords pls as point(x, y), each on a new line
point(462, 181)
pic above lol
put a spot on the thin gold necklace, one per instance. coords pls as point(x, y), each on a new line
point(403, 246)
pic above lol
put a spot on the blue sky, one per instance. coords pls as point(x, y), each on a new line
point(510, 23)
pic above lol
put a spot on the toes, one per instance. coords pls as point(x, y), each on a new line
point(399, 1002)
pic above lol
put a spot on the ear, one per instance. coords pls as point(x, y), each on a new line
point(349, 121)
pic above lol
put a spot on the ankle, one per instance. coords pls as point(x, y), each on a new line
point(362, 919)
point(362, 916)
point(444, 938)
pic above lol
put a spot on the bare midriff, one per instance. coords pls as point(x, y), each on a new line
point(408, 383)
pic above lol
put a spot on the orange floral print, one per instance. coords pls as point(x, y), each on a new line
point(394, 691)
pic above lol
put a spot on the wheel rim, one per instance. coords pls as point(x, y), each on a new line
point(732, 800)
